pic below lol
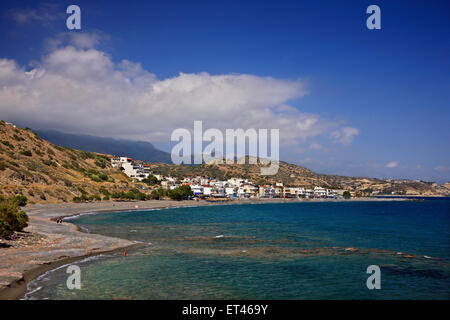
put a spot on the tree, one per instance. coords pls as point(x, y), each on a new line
point(151, 180)
point(140, 196)
point(346, 194)
point(157, 194)
point(117, 195)
point(11, 217)
point(180, 193)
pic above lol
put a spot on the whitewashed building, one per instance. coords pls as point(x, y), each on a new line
point(231, 192)
point(118, 161)
point(135, 171)
point(320, 192)
point(197, 189)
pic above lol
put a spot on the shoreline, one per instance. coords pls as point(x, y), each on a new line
point(70, 244)
point(18, 288)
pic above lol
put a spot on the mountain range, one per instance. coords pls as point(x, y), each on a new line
point(141, 150)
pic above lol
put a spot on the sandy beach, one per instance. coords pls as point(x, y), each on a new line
point(45, 245)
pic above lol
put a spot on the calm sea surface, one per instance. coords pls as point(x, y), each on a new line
point(267, 251)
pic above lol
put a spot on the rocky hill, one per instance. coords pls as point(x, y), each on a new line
point(43, 172)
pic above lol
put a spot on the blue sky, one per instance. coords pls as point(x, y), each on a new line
point(392, 85)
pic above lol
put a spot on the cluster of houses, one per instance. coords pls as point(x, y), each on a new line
point(243, 188)
point(134, 170)
point(232, 188)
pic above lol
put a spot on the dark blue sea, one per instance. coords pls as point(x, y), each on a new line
point(301, 250)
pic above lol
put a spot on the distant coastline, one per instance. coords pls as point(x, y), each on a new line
point(411, 197)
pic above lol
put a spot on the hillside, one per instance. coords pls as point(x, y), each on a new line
point(43, 172)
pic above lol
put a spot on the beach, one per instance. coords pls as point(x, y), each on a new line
point(47, 245)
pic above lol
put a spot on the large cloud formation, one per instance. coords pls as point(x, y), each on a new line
point(80, 89)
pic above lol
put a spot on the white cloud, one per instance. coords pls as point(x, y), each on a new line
point(315, 146)
point(81, 40)
point(442, 168)
point(80, 89)
point(392, 164)
point(345, 135)
point(44, 14)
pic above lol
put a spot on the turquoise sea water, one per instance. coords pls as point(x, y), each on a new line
point(267, 251)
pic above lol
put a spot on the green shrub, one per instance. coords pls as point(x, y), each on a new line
point(21, 221)
point(92, 171)
point(140, 196)
point(9, 145)
point(103, 176)
point(32, 166)
point(84, 197)
point(2, 166)
point(82, 191)
point(11, 217)
point(86, 155)
point(100, 162)
point(14, 164)
point(26, 153)
point(117, 195)
point(81, 169)
point(5, 229)
point(129, 195)
point(17, 138)
point(157, 194)
point(180, 193)
point(21, 200)
point(103, 191)
point(48, 162)
point(65, 165)
point(36, 135)
point(95, 178)
point(151, 180)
